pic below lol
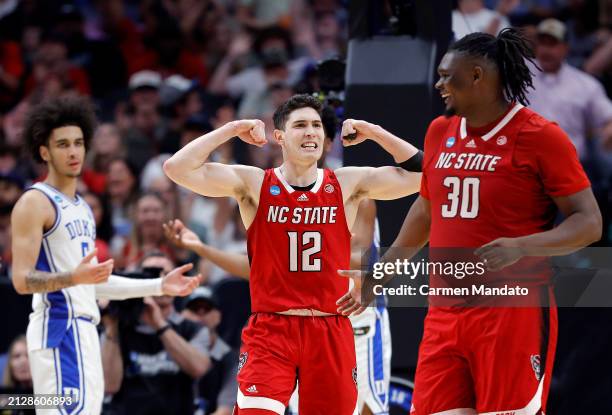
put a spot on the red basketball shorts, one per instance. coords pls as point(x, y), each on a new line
point(278, 350)
point(490, 361)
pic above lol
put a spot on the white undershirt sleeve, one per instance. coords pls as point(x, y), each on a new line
point(122, 288)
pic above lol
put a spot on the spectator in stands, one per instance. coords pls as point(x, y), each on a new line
point(218, 388)
point(150, 213)
point(472, 16)
point(144, 88)
point(143, 137)
point(261, 14)
point(17, 376)
point(104, 228)
point(11, 70)
point(566, 95)
point(578, 103)
point(179, 100)
point(274, 50)
point(121, 186)
point(53, 73)
point(105, 147)
point(150, 368)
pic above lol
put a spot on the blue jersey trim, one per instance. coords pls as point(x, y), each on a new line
point(70, 371)
point(42, 264)
point(58, 213)
point(74, 202)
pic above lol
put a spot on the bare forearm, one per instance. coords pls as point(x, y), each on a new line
point(41, 281)
point(112, 363)
point(218, 82)
point(600, 60)
point(195, 154)
point(400, 150)
point(189, 359)
point(575, 232)
point(235, 264)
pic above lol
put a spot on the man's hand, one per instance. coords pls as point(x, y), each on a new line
point(180, 235)
point(356, 131)
point(88, 273)
point(500, 253)
point(175, 283)
point(152, 315)
point(352, 302)
point(251, 131)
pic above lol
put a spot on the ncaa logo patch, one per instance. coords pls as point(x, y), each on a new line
point(58, 199)
point(501, 140)
point(535, 365)
point(242, 360)
point(450, 141)
point(274, 190)
point(329, 188)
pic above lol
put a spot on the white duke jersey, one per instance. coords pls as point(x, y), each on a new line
point(63, 247)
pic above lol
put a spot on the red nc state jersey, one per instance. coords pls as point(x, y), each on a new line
point(296, 244)
point(498, 180)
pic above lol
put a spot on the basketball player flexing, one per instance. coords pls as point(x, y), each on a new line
point(370, 328)
point(53, 258)
point(298, 219)
point(494, 175)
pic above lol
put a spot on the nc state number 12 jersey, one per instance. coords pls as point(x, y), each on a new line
point(296, 244)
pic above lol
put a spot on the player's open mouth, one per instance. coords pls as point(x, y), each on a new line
point(310, 145)
point(445, 96)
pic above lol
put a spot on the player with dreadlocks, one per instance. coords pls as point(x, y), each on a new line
point(494, 176)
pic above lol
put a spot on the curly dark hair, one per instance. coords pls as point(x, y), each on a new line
point(281, 115)
point(509, 51)
point(55, 113)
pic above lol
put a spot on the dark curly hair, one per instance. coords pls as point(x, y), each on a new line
point(55, 113)
point(281, 115)
point(509, 51)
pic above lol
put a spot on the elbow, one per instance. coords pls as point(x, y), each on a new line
point(112, 381)
point(595, 227)
point(20, 286)
point(200, 367)
point(112, 387)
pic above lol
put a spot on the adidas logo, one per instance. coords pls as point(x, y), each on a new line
point(302, 198)
point(252, 389)
point(471, 144)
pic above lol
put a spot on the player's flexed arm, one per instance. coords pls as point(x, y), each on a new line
point(33, 213)
point(380, 183)
point(190, 167)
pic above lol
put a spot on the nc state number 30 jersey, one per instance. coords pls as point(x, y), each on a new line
point(296, 244)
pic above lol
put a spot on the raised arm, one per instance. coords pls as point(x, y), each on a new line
point(184, 238)
point(381, 183)
point(190, 167)
point(31, 215)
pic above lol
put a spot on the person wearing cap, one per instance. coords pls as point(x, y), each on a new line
point(144, 88)
point(218, 388)
point(179, 100)
point(578, 103)
point(567, 95)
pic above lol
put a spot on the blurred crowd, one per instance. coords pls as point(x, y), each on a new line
point(163, 72)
